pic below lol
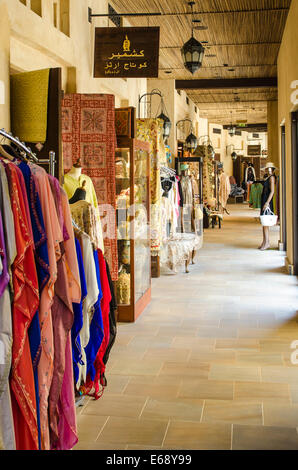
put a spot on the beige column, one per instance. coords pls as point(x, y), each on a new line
point(273, 132)
point(4, 67)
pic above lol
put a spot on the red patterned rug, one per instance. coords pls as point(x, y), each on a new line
point(88, 134)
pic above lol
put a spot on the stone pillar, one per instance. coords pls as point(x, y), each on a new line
point(273, 132)
point(4, 68)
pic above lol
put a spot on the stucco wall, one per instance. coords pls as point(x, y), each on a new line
point(33, 43)
point(287, 103)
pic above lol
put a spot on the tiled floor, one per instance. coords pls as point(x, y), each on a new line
point(208, 364)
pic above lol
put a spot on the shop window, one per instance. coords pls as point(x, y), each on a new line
point(64, 17)
point(36, 7)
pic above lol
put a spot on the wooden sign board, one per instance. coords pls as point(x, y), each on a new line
point(253, 150)
point(126, 52)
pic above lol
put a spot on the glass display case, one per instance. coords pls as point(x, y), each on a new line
point(133, 227)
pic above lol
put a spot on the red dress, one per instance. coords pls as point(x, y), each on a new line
point(24, 306)
point(99, 364)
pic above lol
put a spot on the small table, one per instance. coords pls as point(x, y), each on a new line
point(216, 217)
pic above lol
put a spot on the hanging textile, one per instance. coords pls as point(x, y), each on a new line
point(24, 307)
point(224, 189)
point(29, 105)
point(150, 130)
point(7, 436)
point(88, 133)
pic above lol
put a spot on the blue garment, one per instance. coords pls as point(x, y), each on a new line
point(42, 269)
point(96, 326)
point(78, 316)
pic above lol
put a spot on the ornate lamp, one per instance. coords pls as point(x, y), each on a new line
point(192, 51)
point(191, 140)
point(231, 129)
point(166, 121)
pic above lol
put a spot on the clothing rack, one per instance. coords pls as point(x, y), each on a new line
point(51, 161)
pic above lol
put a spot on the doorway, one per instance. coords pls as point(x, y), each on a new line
point(295, 189)
point(283, 202)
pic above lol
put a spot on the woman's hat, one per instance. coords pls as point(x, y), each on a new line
point(269, 165)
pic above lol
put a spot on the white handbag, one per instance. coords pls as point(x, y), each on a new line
point(268, 219)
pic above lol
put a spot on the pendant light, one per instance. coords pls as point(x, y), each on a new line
point(166, 121)
point(231, 129)
point(192, 51)
point(191, 142)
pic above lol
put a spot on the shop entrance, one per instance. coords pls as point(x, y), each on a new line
point(295, 189)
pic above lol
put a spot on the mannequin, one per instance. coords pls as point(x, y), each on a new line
point(79, 187)
point(224, 189)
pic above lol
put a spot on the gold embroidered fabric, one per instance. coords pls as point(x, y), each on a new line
point(29, 105)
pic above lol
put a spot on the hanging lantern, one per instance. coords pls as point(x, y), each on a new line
point(234, 156)
point(192, 51)
point(166, 125)
point(192, 54)
point(191, 142)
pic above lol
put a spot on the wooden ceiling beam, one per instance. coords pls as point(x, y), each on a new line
point(225, 83)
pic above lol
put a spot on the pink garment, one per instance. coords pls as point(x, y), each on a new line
point(62, 318)
point(54, 238)
point(67, 427)
point(177, 201)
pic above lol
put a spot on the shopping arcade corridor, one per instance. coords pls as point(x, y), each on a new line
point(208, 364)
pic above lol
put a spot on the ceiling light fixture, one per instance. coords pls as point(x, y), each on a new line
point(192, 51)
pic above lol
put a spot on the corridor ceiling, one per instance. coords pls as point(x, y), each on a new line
point(242, 40)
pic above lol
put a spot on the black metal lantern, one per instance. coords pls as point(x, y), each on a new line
point(234, 156)
point(192, 51)
point(166, 125)
point(191, 142)
point(192, 54)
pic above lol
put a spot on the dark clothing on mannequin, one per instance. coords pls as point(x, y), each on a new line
point(265, 194)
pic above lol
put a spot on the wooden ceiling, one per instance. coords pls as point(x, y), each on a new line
point(242, 41)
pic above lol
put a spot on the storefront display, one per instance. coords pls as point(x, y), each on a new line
point(133, 227)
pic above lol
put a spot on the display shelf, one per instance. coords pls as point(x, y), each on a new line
point(133, 228)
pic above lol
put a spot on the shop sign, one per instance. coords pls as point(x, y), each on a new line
point(253, 150)
point(126, 52)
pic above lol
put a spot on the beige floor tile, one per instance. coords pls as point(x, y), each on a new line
point(234, 373)
point(238, 344)
point(280, 374)
point(142, 367)
point(259, 359)
point(169, 354)
point(232, 412)
point(294, 393)
point(134, 431)
point(89, 427)
point(258, 392)
point(223, 357)
point(173, 409)
point(158, 390)
point(116, 384)
point(281, 415)
point(139, 447)
point(193, 343)
point(213, 332)
point(201, 436)
point(182, 370)
point(116, 405)
point(238, 323)
point(206, 389)
point(264, 438)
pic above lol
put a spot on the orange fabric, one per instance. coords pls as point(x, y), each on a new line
point(24, 306)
